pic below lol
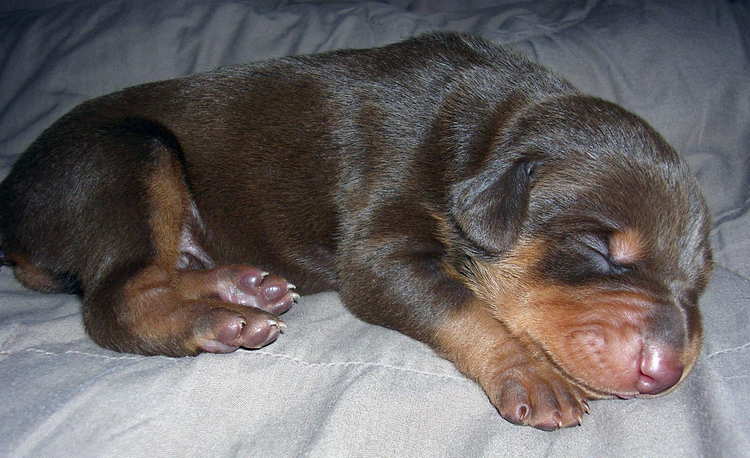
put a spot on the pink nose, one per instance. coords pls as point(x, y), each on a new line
point(660, 369)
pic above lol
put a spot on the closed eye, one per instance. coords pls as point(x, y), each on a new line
point(595, 248)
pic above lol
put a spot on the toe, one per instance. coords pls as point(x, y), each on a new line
point(274, 288)
point(260, 333)
point(253, 287)
point(251, 278)
point(221, 330)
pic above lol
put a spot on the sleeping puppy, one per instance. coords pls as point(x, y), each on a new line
point(549, 243)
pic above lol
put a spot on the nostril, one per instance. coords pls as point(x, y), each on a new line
point(660, 369)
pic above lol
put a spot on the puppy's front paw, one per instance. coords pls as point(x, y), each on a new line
point(525, 388)
point(535, 395)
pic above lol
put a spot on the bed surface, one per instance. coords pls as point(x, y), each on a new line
point(332, 385)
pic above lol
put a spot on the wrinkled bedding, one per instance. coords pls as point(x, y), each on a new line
point(332, 385)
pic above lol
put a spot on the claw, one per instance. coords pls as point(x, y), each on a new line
point(558, 419)
point(586, 407)
point(290, 286)
point(279, 324)
point(295, 297)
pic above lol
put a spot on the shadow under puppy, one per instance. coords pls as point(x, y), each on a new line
point(550, 244)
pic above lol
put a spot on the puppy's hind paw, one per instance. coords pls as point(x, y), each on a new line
point(247, 285)
point(222, 330)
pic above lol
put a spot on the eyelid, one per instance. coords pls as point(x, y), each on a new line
point(599, 244)
point(596, 243)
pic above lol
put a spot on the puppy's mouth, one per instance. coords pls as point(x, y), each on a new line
point(618, 362)
point(610, 343)
point(607, 344)
point(609, 340)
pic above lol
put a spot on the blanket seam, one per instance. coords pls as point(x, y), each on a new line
point(357, 363)
point(254, 352)
point(728, 350)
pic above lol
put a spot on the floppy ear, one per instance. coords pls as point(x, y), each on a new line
point(488, 208)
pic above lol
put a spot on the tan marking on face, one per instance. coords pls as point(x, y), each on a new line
point(589, 332)
point(594, 336)
point(626, 246)
point(512, 278)
point(482, 347)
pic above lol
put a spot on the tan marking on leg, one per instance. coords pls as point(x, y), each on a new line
point(151, 307)
point(470, 337)
point(203, 284)
point(519, 381)
point(168, 199)
point(477, 343)
point(170, 321)
point(34, 277)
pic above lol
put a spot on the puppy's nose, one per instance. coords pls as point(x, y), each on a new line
point(660, 368)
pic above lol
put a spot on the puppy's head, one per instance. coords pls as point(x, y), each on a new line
point(587, 236)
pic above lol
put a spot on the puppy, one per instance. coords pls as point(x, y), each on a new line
point(550, 244)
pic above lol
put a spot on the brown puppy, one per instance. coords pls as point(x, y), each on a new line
point(550, 244)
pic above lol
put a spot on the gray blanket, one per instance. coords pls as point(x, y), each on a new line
point(332, 385)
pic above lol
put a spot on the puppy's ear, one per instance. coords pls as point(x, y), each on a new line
point(489, 208)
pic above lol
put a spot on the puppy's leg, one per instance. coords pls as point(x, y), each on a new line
point(112, 216)
point(35, 277)
point(152, 310)
point(523, 386)
point(402, 283)
point(162, 305)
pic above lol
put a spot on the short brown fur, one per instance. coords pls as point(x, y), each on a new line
point(549, 243)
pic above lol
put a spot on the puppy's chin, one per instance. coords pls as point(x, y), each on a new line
point(612, 343)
